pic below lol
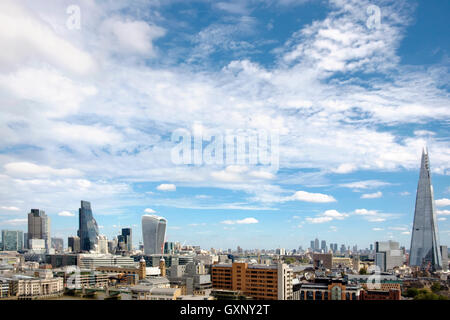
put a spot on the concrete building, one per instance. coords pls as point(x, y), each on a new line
point(266, 282)
point(143, 292)
point(102, 244)
point(388, 255)
point(323, 260)
point(38, 227)
point(444, 254)
point(32, 287)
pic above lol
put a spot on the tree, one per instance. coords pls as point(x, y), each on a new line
point(363, 271)
point(412, 292)
point(436, 287)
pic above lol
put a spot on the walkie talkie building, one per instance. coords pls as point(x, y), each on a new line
point(88, 230)
point(153, 232)
point(425, 249)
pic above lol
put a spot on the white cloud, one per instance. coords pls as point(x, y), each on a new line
point(166, 187)
point(319, 219)
point(66, 214)
point(28, 39)
point(375, 195)
point(377, 229)
point(311, 197)
point(243, 221)
point(130, 36)
point(9, 208)
point(406, 232)
point(444, 202)
point(30, 170)
point(443, 212)
point(15, 222)
point(149, 210)
point(366, 184)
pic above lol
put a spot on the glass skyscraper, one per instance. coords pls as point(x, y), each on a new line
point(425, 248)
point(12, 240)
point(153, 232)
point(88, 228)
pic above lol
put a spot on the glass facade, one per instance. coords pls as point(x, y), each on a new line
point(12, 240)
point(88, 229)
point(153, 232)
point(425, 237)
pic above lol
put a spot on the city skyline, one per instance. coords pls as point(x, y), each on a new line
point(350, 91)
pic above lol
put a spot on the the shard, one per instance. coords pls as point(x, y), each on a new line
point(425, 251)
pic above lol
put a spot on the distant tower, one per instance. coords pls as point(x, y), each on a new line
point(162, 267)
point(425, 249)
point(142, 269)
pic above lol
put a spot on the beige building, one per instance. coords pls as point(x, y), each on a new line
point(24, 286)
point(143, 292)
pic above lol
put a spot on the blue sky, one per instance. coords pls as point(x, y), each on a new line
point(88, 114)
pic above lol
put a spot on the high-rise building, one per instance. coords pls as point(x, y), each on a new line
point(58, 244)
point(425, 249)
point(316, 244)
point(153, 232)
point(388, 255)
point(444, 254)
point(12, 240)
point(323, 246)
point(102, 244)
point(88, 228)
point(38, 227)
point(312, 245)
point(127, 237)
point(74, 244)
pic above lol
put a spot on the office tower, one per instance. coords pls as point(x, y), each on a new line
point(316, 244)
point(169, 248)
point(355, 248)
point(323, 246)
point(425, 236)
point(312, 245)
point(342, 248)
point(38, 227)
point(12, 240)
point(58, 244)
point(371, 247)
point(335, 247)
point(388, 255)
point(88, 229)
point(153, 232)
point(127, 237)
point(74, 244)
point(444, 255)
point(102, 244)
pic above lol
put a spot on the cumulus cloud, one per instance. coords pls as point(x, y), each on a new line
point(311, 197)
point(166, 187)
point(444, 202)
point(149, 210)
point(374, 195)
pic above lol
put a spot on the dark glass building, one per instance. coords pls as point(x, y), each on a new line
point(127, 237)
point(88, 230)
